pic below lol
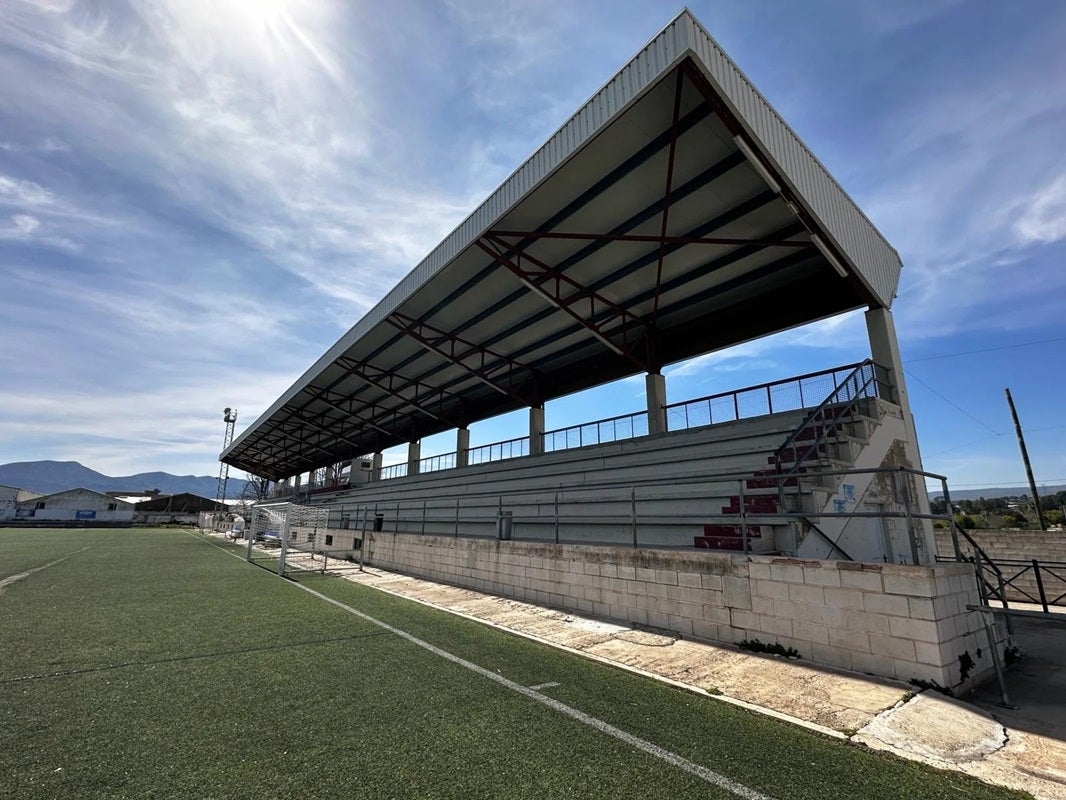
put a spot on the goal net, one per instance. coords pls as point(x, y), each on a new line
point(288, 537)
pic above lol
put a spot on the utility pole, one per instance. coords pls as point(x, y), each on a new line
point(229, 416)
point(1025, 459)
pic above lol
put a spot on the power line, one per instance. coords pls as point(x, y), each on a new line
point(953, 404)
point(961, 446)
point(987, 349)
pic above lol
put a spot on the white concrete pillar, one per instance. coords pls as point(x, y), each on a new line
point(655, 389)
point(354, 467)
point(884, 350)
point(375, 468)
point(536, 430)
point(296, 482)
point(414, 455)
point(462, 447)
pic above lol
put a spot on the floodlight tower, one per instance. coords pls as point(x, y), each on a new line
point(229, 416)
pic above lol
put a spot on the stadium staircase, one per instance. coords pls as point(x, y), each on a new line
point(805, 477)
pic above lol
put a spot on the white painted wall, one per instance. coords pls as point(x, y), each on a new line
point(64, 507)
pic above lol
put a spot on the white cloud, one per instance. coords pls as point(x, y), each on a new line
point(97, 429)
point(21, 193)
point(25, 224)
point(1042, 216)
point(901, 14)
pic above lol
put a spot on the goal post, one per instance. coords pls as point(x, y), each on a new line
point(286, 537)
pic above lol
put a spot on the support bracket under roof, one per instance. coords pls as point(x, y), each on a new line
point(497, 371)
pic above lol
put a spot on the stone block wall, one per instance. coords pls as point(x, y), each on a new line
point(895, 621)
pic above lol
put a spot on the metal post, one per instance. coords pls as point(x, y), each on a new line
point(1040, 586)
point(951, 519)
point(633, 512)
point(363, 542)
point(986, 616)
point(557, 517)
point(284, 543)
point(1025, 460)
point(743, 514)
point(905, 494)
point(982, 586)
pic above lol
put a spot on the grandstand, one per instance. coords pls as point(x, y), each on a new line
point(675, 214)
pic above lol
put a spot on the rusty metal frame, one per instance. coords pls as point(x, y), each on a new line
point(549, 283)
point(387, 380)
point(490, 367)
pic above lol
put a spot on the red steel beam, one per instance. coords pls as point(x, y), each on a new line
point(393, 383)
point(491, 368)
point(666, 197)
point(549, 283)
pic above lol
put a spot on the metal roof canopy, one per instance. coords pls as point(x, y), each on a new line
point(674, 214)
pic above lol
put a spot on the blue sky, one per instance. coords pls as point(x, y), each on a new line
point(197, 199)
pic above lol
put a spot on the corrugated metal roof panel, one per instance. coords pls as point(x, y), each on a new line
point(656, 58)
point(839, 220)
point(876, 262)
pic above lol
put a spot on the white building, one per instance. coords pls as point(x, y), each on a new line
point(75, 505)
point(10, 497)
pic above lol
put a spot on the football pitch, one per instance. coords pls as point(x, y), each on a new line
point(155, 664)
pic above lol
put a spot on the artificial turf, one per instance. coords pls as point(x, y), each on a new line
point(153, 664)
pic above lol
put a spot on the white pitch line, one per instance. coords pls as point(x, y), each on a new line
point(10, 579)
point(540, 686)
point(710, 776)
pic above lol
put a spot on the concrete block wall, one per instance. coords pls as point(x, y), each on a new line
point(895, 621)
point(1017, 545)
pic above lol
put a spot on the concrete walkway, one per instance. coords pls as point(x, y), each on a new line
point(1022, 748)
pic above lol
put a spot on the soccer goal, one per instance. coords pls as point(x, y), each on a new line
point(288, 537)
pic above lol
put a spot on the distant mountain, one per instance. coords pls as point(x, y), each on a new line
point(46, 477)
point(995, 491)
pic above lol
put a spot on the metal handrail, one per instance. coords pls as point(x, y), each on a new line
point(767, 387)
point(1041, 597)
point(394, 471)
point(429, 463)
point(818, 414)
point(474, 453)
point(550, 436)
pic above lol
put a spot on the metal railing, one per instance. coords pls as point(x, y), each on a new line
point(860, 384)
point(1006, 580)
point(436, 463)
point(644, 515)
point(612, 429)
point(394, 471)
point(789, 394)
point(498, 451)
